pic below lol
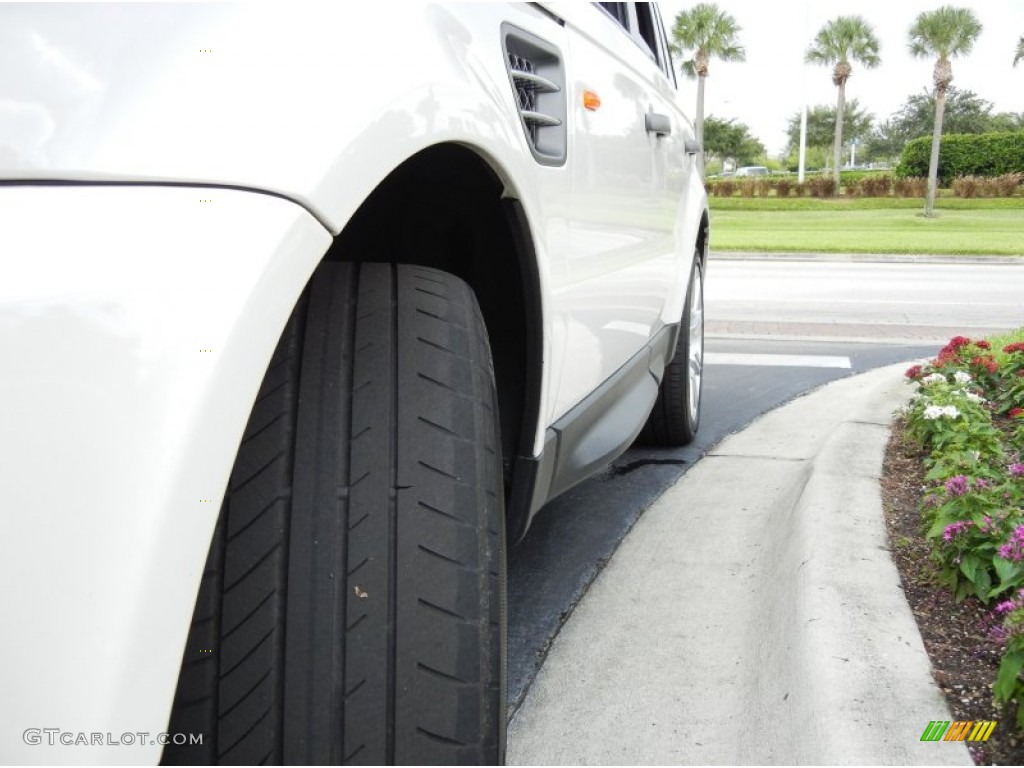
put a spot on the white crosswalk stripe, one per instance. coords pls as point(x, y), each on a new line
point(781, 361)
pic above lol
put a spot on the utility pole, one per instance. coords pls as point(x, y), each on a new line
point(803, 101)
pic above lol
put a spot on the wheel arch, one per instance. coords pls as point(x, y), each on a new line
point(704, 238)
point(452, 208)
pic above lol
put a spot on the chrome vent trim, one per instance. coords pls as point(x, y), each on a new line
point(537, 118)
point(537, 77)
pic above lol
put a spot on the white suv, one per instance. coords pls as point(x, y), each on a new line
point(305, 312)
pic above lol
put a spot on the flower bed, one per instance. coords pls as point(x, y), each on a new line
point(968, 414)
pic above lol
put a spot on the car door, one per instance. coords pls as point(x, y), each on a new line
point(627, 160)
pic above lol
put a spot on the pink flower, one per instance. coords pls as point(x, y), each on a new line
point(1013, 549)
point(955, 529)
point(956, 486)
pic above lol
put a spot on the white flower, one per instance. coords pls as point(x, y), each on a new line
point(933, 412)
point(962, 377)
point(974, 398)
point(933, 378)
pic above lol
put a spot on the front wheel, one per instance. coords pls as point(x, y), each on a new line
point(676, 414)
point(352, 608)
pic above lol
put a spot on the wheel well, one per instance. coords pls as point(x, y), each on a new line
point(703, 233)
point(444, 208)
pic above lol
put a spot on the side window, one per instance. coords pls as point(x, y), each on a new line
point(643, 24)
point(667, 65)
point(650, 34)
point(617, 11)
point(646, 29)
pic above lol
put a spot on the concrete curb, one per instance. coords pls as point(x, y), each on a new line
point(872, 258)
point(753, 615)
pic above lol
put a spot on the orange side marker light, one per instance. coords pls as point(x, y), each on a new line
point(591, 100)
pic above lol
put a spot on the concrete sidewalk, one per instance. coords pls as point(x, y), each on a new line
point(753, 615)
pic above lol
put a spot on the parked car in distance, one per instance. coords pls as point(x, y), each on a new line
point(752, 170)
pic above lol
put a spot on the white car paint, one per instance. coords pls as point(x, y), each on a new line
point(116, 427)
point(132, 353)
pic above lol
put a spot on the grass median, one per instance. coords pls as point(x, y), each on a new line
point(962, 227)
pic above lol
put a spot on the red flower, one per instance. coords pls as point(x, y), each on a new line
point(958, 341)
point(1016, 413)
point(982, 344)
point(913, 372)
point(987, 362)
point(1016, 347)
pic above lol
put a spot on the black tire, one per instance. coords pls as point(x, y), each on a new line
point(675, 418)
point(353, 604)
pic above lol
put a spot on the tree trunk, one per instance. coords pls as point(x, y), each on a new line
point(837, 147)
point(933, 163)
point(700, 123)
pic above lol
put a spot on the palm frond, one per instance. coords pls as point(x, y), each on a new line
point(845, 38)
point(944, 33)
point(706, 28)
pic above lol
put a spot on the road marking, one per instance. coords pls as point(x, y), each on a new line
point(782, 361)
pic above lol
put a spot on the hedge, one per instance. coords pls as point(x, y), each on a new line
point(965, 154)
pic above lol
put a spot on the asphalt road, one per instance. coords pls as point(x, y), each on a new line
point(776, 329)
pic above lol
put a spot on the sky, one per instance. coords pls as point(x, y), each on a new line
point(765, 91)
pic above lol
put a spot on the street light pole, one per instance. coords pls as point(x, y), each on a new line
point(803, 110)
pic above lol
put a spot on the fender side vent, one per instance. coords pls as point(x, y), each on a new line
point(537, 77)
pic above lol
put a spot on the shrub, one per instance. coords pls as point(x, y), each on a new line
point(1006, 185)
point(910, 187)
point(981, 154)
point(783, 187)
point(854, 188)
point(979, 186)
point(747, 187)
point(967, 186)
point(821, 186)
point(876, 186)
point(725, 188)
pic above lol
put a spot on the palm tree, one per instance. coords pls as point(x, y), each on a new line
point(1020, 51)
point(708, 33)
point(944, 33)
point(842, 39)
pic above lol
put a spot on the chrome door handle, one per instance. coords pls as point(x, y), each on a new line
point(657, 124)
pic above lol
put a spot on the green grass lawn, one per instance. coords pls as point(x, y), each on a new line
point(1002, 340)
point(848, 228)
point(844, 203)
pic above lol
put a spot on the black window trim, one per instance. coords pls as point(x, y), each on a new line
point(669, 67)
point(630, 29)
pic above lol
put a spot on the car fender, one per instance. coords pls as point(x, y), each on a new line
point(264, 97)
